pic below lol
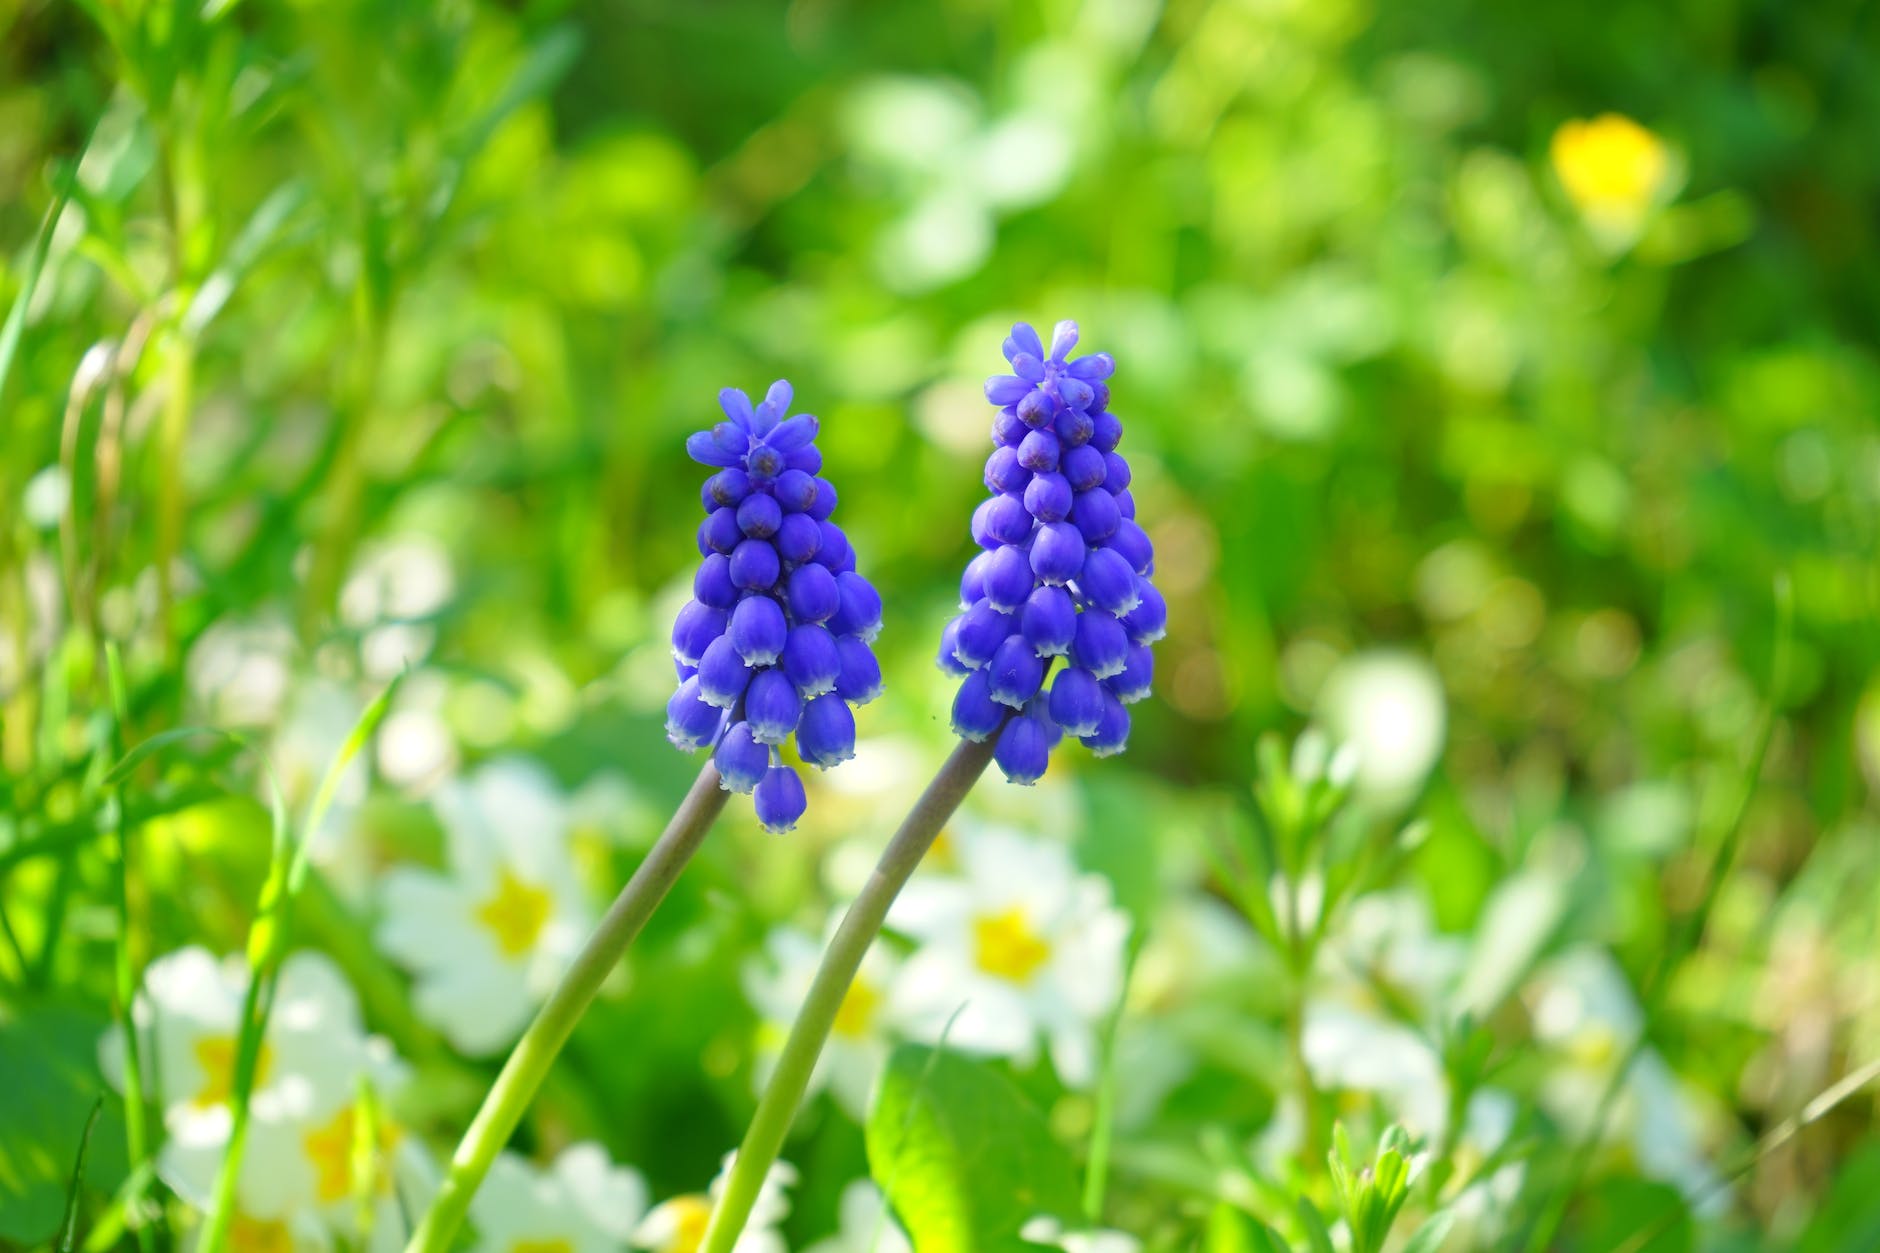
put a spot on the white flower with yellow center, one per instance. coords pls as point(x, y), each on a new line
point(679, 1225)
point(859, 1040)
point(1049, 1231)
point(1019, 944)
point(863, 1224)
point(309, 1162)
point(584, 1203)
point(489, 938)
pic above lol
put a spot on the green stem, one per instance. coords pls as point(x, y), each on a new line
point(535, 1053)
point(776, 1109)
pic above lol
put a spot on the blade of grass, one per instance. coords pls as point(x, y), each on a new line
point(15, 325)
point(136, 1127)
point(1097, 1168)
point(68, 1230)
point(267, 949)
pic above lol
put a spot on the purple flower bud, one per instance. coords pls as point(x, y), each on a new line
point(722, 674)
point(754, 565)
point(1074, 428)
point(1076, 393)
point(1007, 578)
point(1126, 504)
point(1048, 497)
point(982, 629)
point(1025, 339)
point(690, 722)
point(1049, 621)
point(1014, 673)
point(1003, 473)
point(723, 445)
point(808, 460)
point(1095, 514)
point(1108, 583)
point(859, 680)
point(795, 491)
point(1058, 553)
point(720, 530)
point(826, 735)
point(727, 487)
point(1023, 751)
point(1116, 472)
point(1101, 645)
point(777, 398)
point(1133, 681)
point(793, 433)
point(1112, 733)
point(973, 578)
point(825, 502)
point(1084, 468)
point(1076, 701)
point(812, 593)
point(811, 659)
point(772, 706)
point(740, 759)
point(759, 516)
point(694, 629)
point(834, 553)
point(712, 584)
point(1007, 520)
point(758, 630)
point(1133, 543)
point(1008, 428)
point(1006, 389)
point(1039, 452)
point(779, 800)
point(1063, 339)
point(947, 659)
point(1035, 410)
point(975, 714)
point(737, 407)
point(798, 538)
point(1109, 430)
point(764, 463)
point(859, 611)
point(1148, 621)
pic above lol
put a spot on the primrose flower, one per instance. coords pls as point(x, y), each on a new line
point(488, 939)
point(1019, 944)
point(679, 1225)
point(1064, 571)
point(774, 644)
point(583, 1203)
point(299, 1183)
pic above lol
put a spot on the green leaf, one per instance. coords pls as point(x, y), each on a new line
point(965, 1159)
point(1318, 1237)
point(68, 1230)
point(47, 1055)
point(1231, 1231)
point(1430, 1236)
point(15, 324)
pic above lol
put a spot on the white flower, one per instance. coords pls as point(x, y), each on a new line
point(1019, 944)
point(679, 1225)
point(863, 1224)
point(582, 1204)
point(297, 1184)
point(1047, 1230)
point(1388, 706)
point(1583, 1006)
point(858, 1041)
point(488, 939)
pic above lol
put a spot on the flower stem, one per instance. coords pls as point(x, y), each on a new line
point(535, 1053)
point(776, 1109)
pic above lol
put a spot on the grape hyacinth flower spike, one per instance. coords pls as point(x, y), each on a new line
point(774, 644)
point(1063, 576)
point(1064, 569)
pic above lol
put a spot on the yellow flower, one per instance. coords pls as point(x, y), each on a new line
point(1613, 169)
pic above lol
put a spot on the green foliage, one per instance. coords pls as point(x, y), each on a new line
point(1370, 1193)
point(51, 1138)
point(965, 1159)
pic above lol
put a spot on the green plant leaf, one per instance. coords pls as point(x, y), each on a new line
point(47, 1055)
point(1231, 1231)
point(965, 1159)
point(1318, 1237)
point(1430, 1236)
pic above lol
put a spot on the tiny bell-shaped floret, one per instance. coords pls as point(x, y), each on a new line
point(740, 759)
point(779, 800)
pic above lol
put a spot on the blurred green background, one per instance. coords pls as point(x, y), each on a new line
point(1417, 359)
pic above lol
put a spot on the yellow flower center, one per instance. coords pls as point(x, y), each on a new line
point(556, 1245)
point(691, 1215)
point(216, 1055)
point(1609, 165)
point(515, 914)
point(255, 1235)
point(330, 1148)
point(1006, 946)
point(857, 1013)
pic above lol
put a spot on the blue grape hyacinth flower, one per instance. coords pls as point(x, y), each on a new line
point(1057, 610)
point(774, 645)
